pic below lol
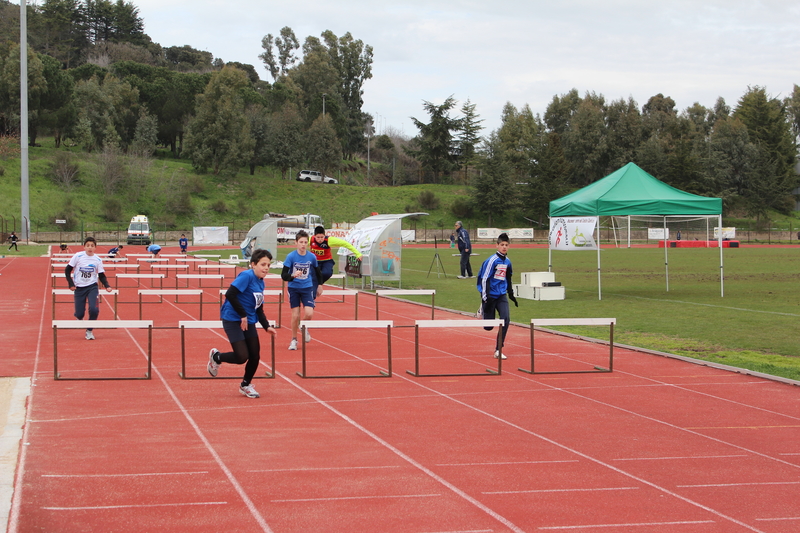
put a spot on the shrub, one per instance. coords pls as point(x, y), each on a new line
point(428, 200)
point(64, 171)
point(112, 210)
point(219, 206)
point(461, 208)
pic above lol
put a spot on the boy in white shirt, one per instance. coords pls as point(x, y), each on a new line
point(88, 269)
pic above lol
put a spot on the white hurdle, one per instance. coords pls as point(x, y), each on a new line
point(199, 277)
point(405, 292)
point(151, 277)
point(539, 322)
point(339, 324)
point(102, 324)
point(215, 324)
point(266, 292)
point(328, 291)
point(171, 292)
point(426, 324)
point(65, 292)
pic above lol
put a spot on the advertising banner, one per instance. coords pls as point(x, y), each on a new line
point(209, 235)
point(572, 233)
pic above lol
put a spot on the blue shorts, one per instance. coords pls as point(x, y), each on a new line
point(235, 333)
point(298, 296)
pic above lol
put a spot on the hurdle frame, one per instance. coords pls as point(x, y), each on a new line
point(575, 322)
point(103, 324)
point(425, 324)
point(200, 278)
point(171, 292)
point(339, 292)
point(266, 292)
point(336, 324)
point(405, 292)
point(217, 324)
point(64, 292)
point(138, 276)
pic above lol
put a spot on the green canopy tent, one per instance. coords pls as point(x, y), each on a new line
point(632, 191)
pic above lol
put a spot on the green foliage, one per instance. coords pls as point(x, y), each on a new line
point(64, 171)
point(219, 206)
point(436, 147)
point(112, 210)
point(324, 149)
point(461, 208)
point(428, 200)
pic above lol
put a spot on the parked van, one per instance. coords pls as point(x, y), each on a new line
point(139, 231)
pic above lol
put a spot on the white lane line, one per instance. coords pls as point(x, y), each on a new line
point(509, 463)
point(101, 507)
point(334, 499)
point(678, 458)
point(779, 519)
point(763, 483)
point(635, 524)
point(143, 474)
point(532, 491)
point(324, 469)
point(408, 458)
point(16, 500)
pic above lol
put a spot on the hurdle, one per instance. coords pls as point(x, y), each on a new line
point(171, 292)
point(200, 277)
point(216, 324)
point(341, 277)
point(56, 276)
point(168, 268)
point(207, 256)
point(102, 324)
point(495, 322)
point(339, 292)
point(219, 268)
point(122, 266)
point(336, 324)
point(576, 322)
point(64, 292)
point(267, 292)
point(151, 277)
point(153, 259)
point(405, 292)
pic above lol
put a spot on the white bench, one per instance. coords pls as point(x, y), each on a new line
point(215, 324)
point(349, 324)
point(405, 292)
point(543, 322)
point(102, 324)
point(450, 324)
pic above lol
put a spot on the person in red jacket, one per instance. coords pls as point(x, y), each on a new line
point(321, 247)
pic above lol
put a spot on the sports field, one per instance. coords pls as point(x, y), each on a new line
point(658, 444)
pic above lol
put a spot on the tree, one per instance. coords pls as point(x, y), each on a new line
point(492, 191)
point(586, 142)
point(259, 129)
point(9, 90)
point(285, 45)
point(469, 136)
point(324, 149)
point(437, 147)
point(57, 111)
point(792, 104)
point(285, 144)
point(549, 177)
point(63, 31)
point(218, 137)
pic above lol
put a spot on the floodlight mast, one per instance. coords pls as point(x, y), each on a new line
point(23, 117)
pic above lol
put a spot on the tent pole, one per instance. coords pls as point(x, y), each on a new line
point(721, 269)
point(666, 257)
point(549, 259)
point(599, 289)
point(629, 231)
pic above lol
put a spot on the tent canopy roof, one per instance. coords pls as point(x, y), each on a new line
point(632, 191)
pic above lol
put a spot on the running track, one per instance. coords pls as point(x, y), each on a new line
point(657, 445)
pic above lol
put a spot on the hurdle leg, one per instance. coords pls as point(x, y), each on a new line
point(381, 373)
point(55, 352)
point(524, 369)
point(149, 352)
point(182, 373)
point(302, 372)
point(271, 375)
point(377, 299)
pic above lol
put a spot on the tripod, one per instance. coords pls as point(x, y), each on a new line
point(437, 261)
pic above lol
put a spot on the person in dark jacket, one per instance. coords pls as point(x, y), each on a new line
point(465, 247)
point(494, 284)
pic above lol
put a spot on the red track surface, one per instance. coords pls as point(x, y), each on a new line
point(657, 445)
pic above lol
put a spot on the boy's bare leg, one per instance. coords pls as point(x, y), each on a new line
point(295, 321)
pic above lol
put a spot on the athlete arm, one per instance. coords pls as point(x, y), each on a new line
point(232, 296)
point(262, 318)
point(286, 274)
point(68, 274)
point(104, 280)
point(336, 241)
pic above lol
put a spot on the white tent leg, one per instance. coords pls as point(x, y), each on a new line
point(666, 257)
point(599, 289)
point(721, 266)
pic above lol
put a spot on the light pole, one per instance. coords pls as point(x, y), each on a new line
point(323, 103)
point(369, 134)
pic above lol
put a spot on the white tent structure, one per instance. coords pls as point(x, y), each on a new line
point(264, 235)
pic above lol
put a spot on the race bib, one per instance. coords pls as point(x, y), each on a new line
point(500, 272)
point(259, 299)
point(303, 268)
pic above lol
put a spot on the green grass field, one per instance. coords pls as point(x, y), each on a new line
point(754, 326)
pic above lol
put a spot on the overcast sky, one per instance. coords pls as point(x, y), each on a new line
point(518, 51)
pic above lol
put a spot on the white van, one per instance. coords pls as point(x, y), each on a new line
point(139, 231)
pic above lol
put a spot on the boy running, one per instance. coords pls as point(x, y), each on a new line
point(297, 271)
point(321, 247)
point(88, 269)
point(494, 283)
point(243, 307)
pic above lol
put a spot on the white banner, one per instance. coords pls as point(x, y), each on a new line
point(657, 234)
point(209, 235)
point(572, 233)
point(727, 233)
point(513, 233)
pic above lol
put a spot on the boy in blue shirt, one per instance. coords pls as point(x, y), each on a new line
point(494, 283)
point(243, 308)
point(183, 242)
point(297, 269)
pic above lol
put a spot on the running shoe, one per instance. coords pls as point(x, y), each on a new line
point(308, 336)
point(213, 366)
point(89, 335)
point(497, 355)
point(249, 391)
point(293, 344)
